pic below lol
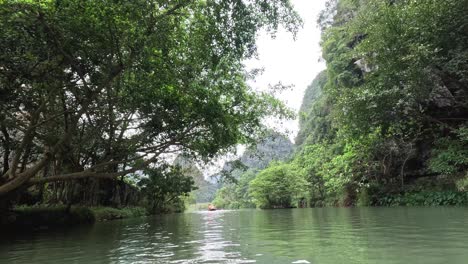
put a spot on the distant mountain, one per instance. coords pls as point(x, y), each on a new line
point(206, 190)
point(274, 147)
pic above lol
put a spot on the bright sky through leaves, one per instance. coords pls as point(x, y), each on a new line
point(289, 61)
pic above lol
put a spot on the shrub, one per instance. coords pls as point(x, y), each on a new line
point(108, 213)
point(462, 184)
point(445, 198)
point(278, 186)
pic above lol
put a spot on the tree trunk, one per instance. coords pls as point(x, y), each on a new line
point(6, 147)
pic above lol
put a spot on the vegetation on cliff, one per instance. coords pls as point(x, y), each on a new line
point(387, 122)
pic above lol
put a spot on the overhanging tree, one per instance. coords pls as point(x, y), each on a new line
point(104, 88)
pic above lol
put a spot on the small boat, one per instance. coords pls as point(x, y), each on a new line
point(211, 207)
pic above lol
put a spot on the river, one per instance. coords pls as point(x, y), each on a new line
point(318, 236)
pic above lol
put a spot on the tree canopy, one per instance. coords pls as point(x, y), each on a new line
point(105, 88)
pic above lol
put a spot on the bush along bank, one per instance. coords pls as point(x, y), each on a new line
point(163, 191)
point(41, 217)
point(442, 198)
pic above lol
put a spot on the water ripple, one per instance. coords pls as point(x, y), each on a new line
point(325, 236)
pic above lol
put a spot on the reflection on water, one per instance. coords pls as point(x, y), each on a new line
point(331, 235)
point(215, 246)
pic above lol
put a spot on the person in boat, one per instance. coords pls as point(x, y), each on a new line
point(211, 207)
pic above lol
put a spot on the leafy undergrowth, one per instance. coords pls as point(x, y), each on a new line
point(42, 217)
point(109, 213)
point(442, 198)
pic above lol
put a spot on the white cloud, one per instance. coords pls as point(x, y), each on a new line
point(290, 61)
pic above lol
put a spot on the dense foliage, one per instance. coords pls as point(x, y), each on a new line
point(164, 188)
point(235, 191)
point(94, 95)
point(278, 186)
point(314, 119)
point(386, 123)
point(398, 83)
point(103, 89)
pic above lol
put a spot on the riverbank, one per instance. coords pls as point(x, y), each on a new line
point(197, 207)
point(423, 198)
point(41, 217)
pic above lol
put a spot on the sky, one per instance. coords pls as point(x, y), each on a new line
point(289, 61)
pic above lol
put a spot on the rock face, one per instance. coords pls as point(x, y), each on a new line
point(313, 114)
point(274, 147)
point(206, 190)
point(313, 92)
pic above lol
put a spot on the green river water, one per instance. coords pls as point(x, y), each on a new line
point(318, 236)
